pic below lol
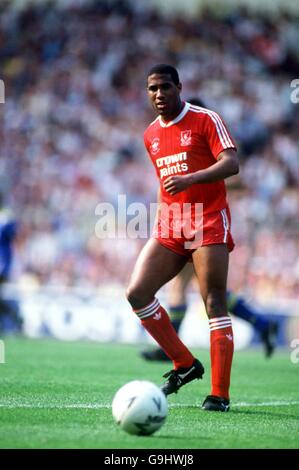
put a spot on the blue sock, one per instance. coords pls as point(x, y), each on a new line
point(238, 307)
point(177, 315)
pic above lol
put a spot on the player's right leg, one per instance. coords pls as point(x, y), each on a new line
point(155, 266)
point(176, 290)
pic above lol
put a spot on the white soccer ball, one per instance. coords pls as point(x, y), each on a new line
point(139, 407)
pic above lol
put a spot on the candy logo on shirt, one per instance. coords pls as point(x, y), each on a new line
point(186, 138)
point(155, 146)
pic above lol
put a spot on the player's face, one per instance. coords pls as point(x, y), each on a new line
point(164, 95)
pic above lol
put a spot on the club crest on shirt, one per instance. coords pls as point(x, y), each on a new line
point(186, 137)
point(155, 146)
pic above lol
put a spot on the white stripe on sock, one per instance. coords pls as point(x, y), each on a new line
point(228, 320)
point(220, 322)
point(149, 307)
point(220, 327)
point(148, 312)
point(217, 319)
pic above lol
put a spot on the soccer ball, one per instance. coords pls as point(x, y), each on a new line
point(139, 407)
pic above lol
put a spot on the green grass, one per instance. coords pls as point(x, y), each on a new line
point(41, 379)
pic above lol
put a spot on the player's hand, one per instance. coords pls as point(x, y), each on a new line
point(176, 184)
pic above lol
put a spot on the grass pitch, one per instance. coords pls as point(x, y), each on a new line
point(58, 395)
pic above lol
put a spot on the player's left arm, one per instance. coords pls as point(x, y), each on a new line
point(227, 165)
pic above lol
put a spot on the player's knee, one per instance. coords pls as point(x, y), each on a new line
point(130, 294)
point(135, 296)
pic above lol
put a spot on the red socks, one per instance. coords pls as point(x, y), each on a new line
point(221, 351)
point(156, 322)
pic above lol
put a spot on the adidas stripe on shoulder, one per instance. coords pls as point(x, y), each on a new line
point(222, 132)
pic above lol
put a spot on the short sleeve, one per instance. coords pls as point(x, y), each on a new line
point(217, 134)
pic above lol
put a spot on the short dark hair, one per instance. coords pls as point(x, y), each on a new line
point(165, 69)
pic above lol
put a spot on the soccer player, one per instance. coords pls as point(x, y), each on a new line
point(267, 329)
point(192, 152)
point(9, 308)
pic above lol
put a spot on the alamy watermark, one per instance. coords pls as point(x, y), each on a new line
point(2, 352)
point(295, 93)
point(295, 353)
point(2, 92)
point(136, 220)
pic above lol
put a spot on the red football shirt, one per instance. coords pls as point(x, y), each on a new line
point(191, 142)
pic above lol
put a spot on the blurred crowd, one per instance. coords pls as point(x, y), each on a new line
point(73, 121)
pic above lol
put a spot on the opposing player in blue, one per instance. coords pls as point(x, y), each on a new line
point(9, 309)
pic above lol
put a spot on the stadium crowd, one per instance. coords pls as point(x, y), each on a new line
point(73, 120)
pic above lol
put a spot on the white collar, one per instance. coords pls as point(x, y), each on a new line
point(178, 118)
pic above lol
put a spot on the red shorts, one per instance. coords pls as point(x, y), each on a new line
point(213, 229)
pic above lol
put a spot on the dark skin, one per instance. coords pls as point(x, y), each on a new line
point(164, 95)
point(156, 264)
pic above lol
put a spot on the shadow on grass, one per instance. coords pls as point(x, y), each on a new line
point(181, 438)
point(235, 411)
point(265, 413)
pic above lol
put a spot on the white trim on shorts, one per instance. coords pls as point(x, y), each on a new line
point(225, 224)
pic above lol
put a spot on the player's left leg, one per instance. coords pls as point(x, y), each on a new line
point(211, 267)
